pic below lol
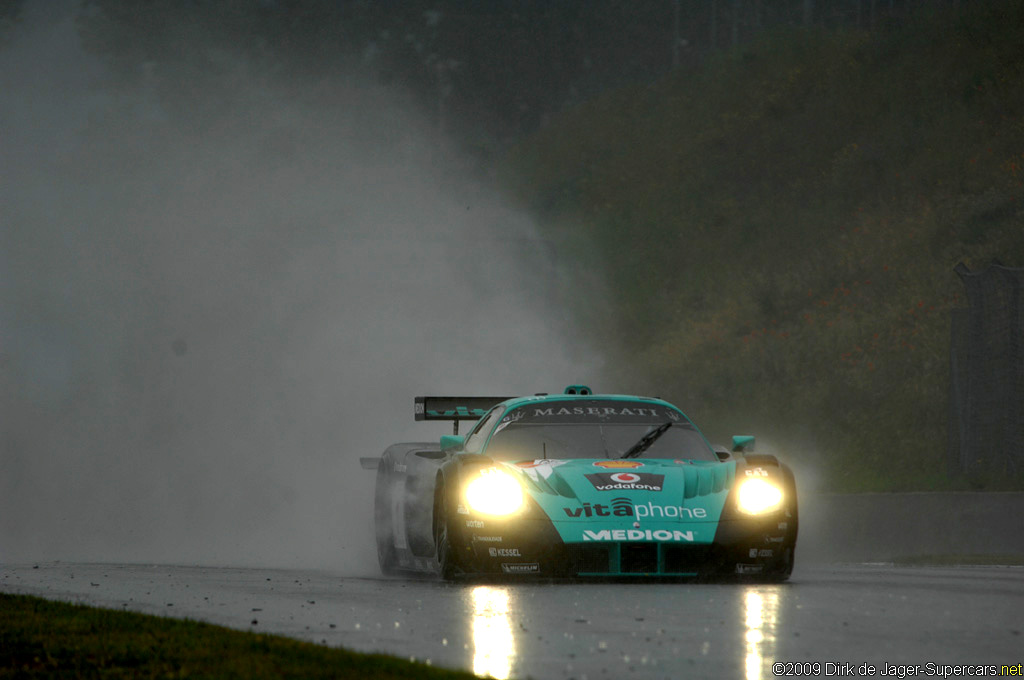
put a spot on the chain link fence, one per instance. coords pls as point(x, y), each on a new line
point(986, 426)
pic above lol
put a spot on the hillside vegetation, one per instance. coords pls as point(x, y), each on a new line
point(770, 241)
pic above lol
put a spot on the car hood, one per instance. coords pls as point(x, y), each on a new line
point(628, 499)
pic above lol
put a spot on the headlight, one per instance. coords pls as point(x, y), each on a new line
point(494, 493)
point(756, 496)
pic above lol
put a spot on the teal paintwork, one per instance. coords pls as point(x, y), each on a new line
point(452, 442)
point(686, 509)
point(743, 443)
point(694, 491)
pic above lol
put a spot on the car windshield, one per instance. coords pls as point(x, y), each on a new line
point(594, 430)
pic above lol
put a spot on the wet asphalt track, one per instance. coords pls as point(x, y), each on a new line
point(854, 614)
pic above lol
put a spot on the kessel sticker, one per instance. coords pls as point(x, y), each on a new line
point(504, 552)
point(626, 481)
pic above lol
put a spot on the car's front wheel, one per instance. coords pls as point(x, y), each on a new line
point(443, 536)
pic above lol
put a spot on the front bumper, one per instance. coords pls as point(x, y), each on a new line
point(533, 547)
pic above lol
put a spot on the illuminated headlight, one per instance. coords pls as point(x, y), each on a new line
point(756, 496)
point(494, 493)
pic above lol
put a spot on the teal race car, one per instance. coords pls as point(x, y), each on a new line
point(580, 485)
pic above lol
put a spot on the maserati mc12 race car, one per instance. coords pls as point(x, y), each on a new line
point(580, 485)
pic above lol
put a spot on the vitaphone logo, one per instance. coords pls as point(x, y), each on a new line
point(616, 481)
point(620, 507)
point(637, 535)
point(623, 507)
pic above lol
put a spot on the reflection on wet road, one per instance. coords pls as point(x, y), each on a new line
point(494, 647)
point(761, 617)
point(844, 614)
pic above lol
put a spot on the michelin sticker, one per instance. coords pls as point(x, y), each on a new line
point(520, 568)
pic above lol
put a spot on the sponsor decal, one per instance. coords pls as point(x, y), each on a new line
point(637, 535)
point(620, 507)
point(418, 408)
point(623, 507)
point(462, 509)
point(783, 526)
point(540, 462)
point(474, 524)
point(400, 467)
point(513, 417)
point(487, 539)
point(595, 411)
point(626, 481)
point(765, 552)
point(539, 469)
point(504, 552)
point(456, 412)
point(749, 568)
point(520, 568)
point(756, 472)
point(619, 464)
point(775, 539)
point(753, 552)
point(669, 511)
point(600, 411)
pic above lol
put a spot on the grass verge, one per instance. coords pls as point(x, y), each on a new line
point(42, 638)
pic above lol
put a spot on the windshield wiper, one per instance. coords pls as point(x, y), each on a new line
point(646, 441)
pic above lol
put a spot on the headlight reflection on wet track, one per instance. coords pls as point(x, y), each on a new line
point(761, 619)
point(493, 643)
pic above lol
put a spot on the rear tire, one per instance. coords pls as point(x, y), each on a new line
point(387, 556)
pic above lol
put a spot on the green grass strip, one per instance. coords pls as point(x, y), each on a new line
point(43, 638)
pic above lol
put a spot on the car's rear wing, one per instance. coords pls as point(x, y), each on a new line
point(454, 408)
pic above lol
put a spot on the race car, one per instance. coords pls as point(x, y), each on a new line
point(579, 485)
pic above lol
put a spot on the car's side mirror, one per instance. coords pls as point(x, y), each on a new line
point(742, 443)
point(452, 442)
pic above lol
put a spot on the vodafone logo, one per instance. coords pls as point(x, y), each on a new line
point(618, 464)
point(635, 481)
